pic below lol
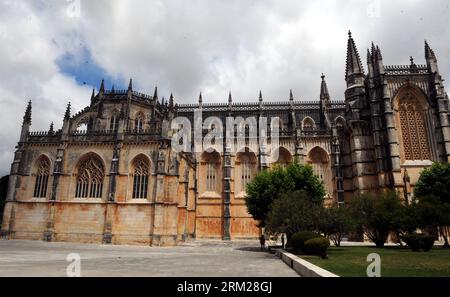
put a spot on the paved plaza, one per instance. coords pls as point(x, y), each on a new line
point(196, 259)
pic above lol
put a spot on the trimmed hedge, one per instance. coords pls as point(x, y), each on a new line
point(317, 246)
point(419, 242)
point(297, 241)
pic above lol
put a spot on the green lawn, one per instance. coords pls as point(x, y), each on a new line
point(395, 261)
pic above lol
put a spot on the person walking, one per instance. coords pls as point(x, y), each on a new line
point(282, 240)
point(262, 241)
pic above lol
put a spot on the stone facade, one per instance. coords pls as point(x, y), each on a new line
point(110, 174)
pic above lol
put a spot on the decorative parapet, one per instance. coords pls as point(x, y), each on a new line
point(406, 69)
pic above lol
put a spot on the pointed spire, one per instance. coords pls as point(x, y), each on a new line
point(260, 96)
point(102, 86)
point(369, 57)
point(230, 99)
point(27, 116)
point(130, 85)
point(429, 53)
point(324, 95)
point(291, 96)
point(373, 48)
point(378, 53)
point(163, 101)
point(200, 99)
point(51, 130)
point(67, 114)
point(353, 65)
point(171, 100)
point(155, 95)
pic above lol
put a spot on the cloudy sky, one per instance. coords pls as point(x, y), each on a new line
point(56, 51)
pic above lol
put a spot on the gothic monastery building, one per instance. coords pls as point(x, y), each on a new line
point(110, 175)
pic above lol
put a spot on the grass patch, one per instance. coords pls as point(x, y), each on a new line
point(395, 262)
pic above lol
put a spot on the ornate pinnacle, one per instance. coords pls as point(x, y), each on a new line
point(27, 116)
point(67, 114)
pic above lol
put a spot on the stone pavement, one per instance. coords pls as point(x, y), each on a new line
point(196, 259)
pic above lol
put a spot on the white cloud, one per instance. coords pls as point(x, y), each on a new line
point(200, 45)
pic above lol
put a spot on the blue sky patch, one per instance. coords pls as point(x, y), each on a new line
point(86, 71)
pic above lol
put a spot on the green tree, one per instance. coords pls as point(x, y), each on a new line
point(434, 181)
point(270, 185)
point(335, 222)
point(3, 191)
point(294, 212)
point(377, 215)
point(433, 194)
point(433, 214)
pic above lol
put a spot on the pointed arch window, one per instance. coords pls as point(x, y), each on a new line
point(211, 176)
point(42, 174)
point(413, 128)
point(139, 123)
point(114, 122)
point(140, 179)
point(246, 173)
point(90, 178)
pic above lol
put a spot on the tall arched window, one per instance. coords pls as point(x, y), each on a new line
point(139, 123)
point(246, 174)
point(114, 122)
point(211, 176)
point(284, 157)
point(246, 167)
point(42, 174)
point(211, 170)
point(90, 178)
point(412, 118)
point(140, 179)
point(319, 160)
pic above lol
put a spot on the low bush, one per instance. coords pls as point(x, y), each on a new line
point(416, 242)
point(317, 246)
point(297, 241)
point(427, 242)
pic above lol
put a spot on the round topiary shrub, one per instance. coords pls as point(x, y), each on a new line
point(419, 241)
point(427, 242)
point(297, 241)
point(413, 241)
point(317, 246)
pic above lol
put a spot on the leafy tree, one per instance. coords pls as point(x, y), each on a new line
point(269, 185)
point(433, 214)
point(3, 191)
point(335, 222)
point(434, 181)
point(294, 212)
point(377, 215)
point(433, 194)
point(304, 179)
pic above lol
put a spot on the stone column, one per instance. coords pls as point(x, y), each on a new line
point(337, 166)
point(227, 194)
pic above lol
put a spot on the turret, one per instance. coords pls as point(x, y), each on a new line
point(230, 103)
point(431, 59)
point(66, 122)
point(26, 124)
point(200, 101)
point(354, 74)
point(355, 77)
point(130, 89)
point(101, 92)
point(324, 104)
